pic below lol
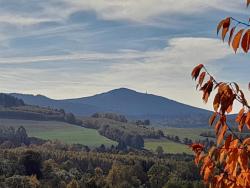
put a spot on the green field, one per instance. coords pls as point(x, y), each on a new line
point(168, 146)
point(64, 132)
point(191, 133)
point(173, 147)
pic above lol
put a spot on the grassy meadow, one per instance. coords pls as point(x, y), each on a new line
point(168, 146)
point(191, 133)
point(173, 147)
point(64, 132)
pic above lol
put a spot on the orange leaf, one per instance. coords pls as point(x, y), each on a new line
point(219, 26)
point(246, 141)
point(207, 173)
point(222, 156)
point(248, 120)
point(212, 118)
point(207, 89)
point(243, 159)
point(236, 40)
point(242, 123)
point(228, 141)
point(198, 158)
point(231, 35)
point(221, 134)
point(240, 115)
point(217, 127)
point(225, 29)
point(197, 147)
point(245, 43)
point(234, 143)
point(216, 102)
point(201, 78)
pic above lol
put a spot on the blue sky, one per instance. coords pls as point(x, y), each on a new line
point(75, 48)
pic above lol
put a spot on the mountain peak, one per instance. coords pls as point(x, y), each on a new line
point(122, 90)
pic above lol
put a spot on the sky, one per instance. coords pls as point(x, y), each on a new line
point(76, 48)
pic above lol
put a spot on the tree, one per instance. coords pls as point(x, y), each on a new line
point(70, 118)
point(122, 176)
point(147, 122)
point(226, 164)
point(158, 175)
point(159, 150)
point(32, 160)
point(21, 136)
point(73, 184)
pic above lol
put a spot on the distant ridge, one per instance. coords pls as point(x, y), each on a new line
point(124, 101)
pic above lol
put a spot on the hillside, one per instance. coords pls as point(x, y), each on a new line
point(130, 103)
point(14, 108)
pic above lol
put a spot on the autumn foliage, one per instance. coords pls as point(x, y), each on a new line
point(227, 164)
point(237, 32)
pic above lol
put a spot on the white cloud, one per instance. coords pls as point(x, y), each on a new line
point(21, 20)
point(83, 56)
point(140, 10)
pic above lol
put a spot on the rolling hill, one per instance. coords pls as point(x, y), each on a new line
point(15, 108)
point(128, 102)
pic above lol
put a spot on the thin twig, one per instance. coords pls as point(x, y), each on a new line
point(240, 22)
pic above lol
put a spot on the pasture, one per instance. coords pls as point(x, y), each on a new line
point(61, 131)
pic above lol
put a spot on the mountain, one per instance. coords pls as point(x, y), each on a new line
point(40, 100)
point(123, 101)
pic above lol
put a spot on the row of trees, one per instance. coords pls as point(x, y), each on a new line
point(123, 138)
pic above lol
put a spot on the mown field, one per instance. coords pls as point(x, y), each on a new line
point(168, 146)
point(64, 132)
